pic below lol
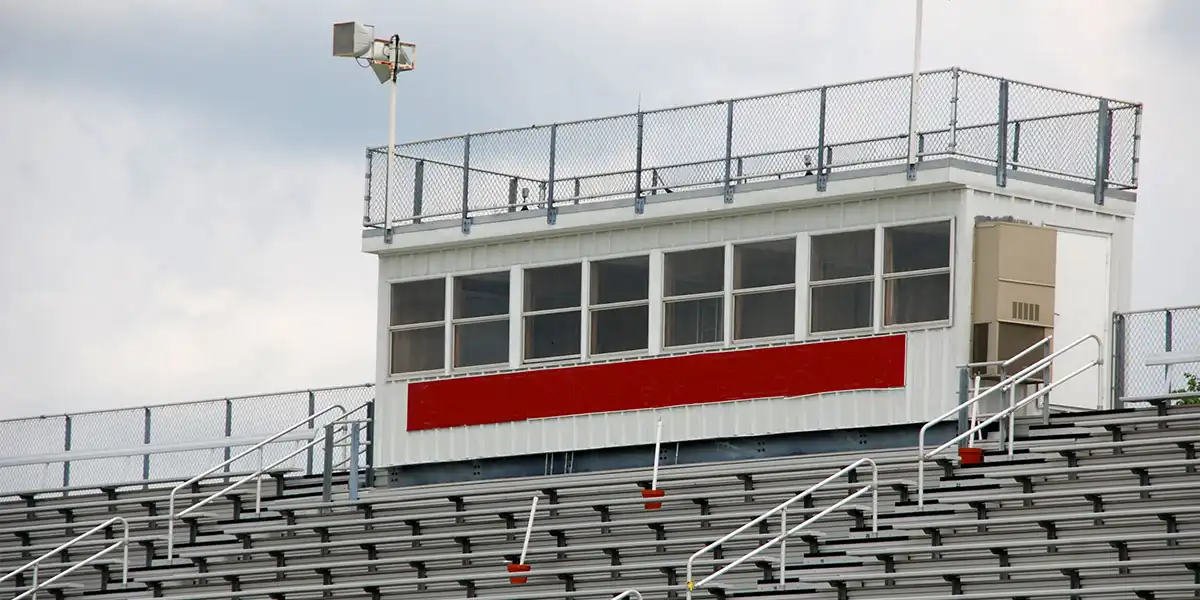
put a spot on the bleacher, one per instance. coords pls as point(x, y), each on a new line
point(1090, 505)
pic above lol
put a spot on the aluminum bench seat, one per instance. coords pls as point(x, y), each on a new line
point(888, 549)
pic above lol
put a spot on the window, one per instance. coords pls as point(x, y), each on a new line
point(841, 275)
point(552, 311)
point(418, 326)
point(694, 297)
point(619, 305)
point(481, 319)
point(916, 273)
point(764, 288)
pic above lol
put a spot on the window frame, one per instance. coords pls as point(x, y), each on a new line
point(592, 308)
point(721, 294)
point(443, 324)
point(735, 292)
point(580, 308)
point(948, 270)
point(871, 278)
point(454, 322)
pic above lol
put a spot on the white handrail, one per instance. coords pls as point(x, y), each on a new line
point(123, 543)
point(1012, 415)
point(636, 595)
point(1004, 384)
point(874, 487)
point(529, 529)
point(171, 516)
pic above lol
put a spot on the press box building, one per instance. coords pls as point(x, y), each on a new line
point(766, 275)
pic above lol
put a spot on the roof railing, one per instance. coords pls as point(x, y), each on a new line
point(781, 509)
point(1006, 385)
point(122, 543)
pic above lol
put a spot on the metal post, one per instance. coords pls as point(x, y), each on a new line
point(783, 527)
point(964, 394)
point(466, 185)
point(657, 445)
point(1118, 361)
point(728, 151)
point(258, 485)
point(512, 194)
point(367, 190)
point(1002, 136)
point(551, 211)
point(1137, 144)
point(66, 448)
point(371, 443)
point(822, 177)
point(1016, 144)
point(146, 440)
point(915, 95)
point(1168, 346)
point(1103, 149)
point(639, 203)
point(228, 430)
point(954, 74)
point(312, 410)
point(418, 190)
point(528, 530)
point(354, 471)
point(391, 153)
point(327, 478)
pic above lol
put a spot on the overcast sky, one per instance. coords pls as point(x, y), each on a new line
point(181, 182)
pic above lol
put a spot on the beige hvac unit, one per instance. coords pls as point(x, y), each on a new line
point(1013, 300)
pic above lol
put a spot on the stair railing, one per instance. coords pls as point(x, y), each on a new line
point(1007, 385)
point(781, 539)
point(973, 417)
point(172, 515)
point(122, 543)
point(636, 595)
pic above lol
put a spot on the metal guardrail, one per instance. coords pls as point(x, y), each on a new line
point(1007, 385)
point(1138, 336)
point(781, 509)
point(814, 132)
point(122, 543)
point(205, 422)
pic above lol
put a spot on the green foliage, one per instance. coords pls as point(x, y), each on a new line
point(1193, 385)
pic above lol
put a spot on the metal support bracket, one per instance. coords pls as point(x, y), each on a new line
point(466, 224)
point(552, 215)
point(639, 205)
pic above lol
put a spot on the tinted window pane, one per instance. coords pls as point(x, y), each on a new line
point(765, 314)
point(418, 349)
point(481, 343)
point(548, 288)
point(555, 334)
point(418, 301)
point(481, 295)
point(763, 264)
point(694, 322)
point(917, 247)
point(620, 280)
point(837, 307)
point(842, 255)
point(694, 272)
point(918, 299)
point(620, 329)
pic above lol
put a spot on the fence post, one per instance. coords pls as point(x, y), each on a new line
point(1168, 346)
point(327, 478)
point(728, 151)
point(1118, 361)
point(228, 429)
point(367, 192)
point(639, 203)
point(466, 185)
point(551, 211)
point(1137, 144)
point(822, 176)
point(418, 190)
point(354, 470)
point(1103, 149)
point(513, 184)
point(312, 410)
point(964, 394)
point(1002, 136)
point(953, 148)
point(146, 440)
point(1016, 145)
point(66, 448)
point(371, 443)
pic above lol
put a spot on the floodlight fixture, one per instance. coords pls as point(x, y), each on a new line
point(386, 58)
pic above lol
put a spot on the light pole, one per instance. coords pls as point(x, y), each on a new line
point(387, 59)
point(915, 95)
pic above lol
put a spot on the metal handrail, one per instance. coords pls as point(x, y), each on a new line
point(171, 516)
point(123, 543)
point(873, 486)
point(636, 595)
point(1004, 365)
point(1005, 384)
point(1012, 418)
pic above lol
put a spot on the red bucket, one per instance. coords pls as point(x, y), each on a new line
point(970, 456)
point(516, 568)
point(653, 494)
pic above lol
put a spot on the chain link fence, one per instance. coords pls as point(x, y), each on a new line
point(61, 443)
point(1010, 125)
point(1140, 336)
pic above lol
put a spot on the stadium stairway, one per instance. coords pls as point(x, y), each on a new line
point(1091, 505)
